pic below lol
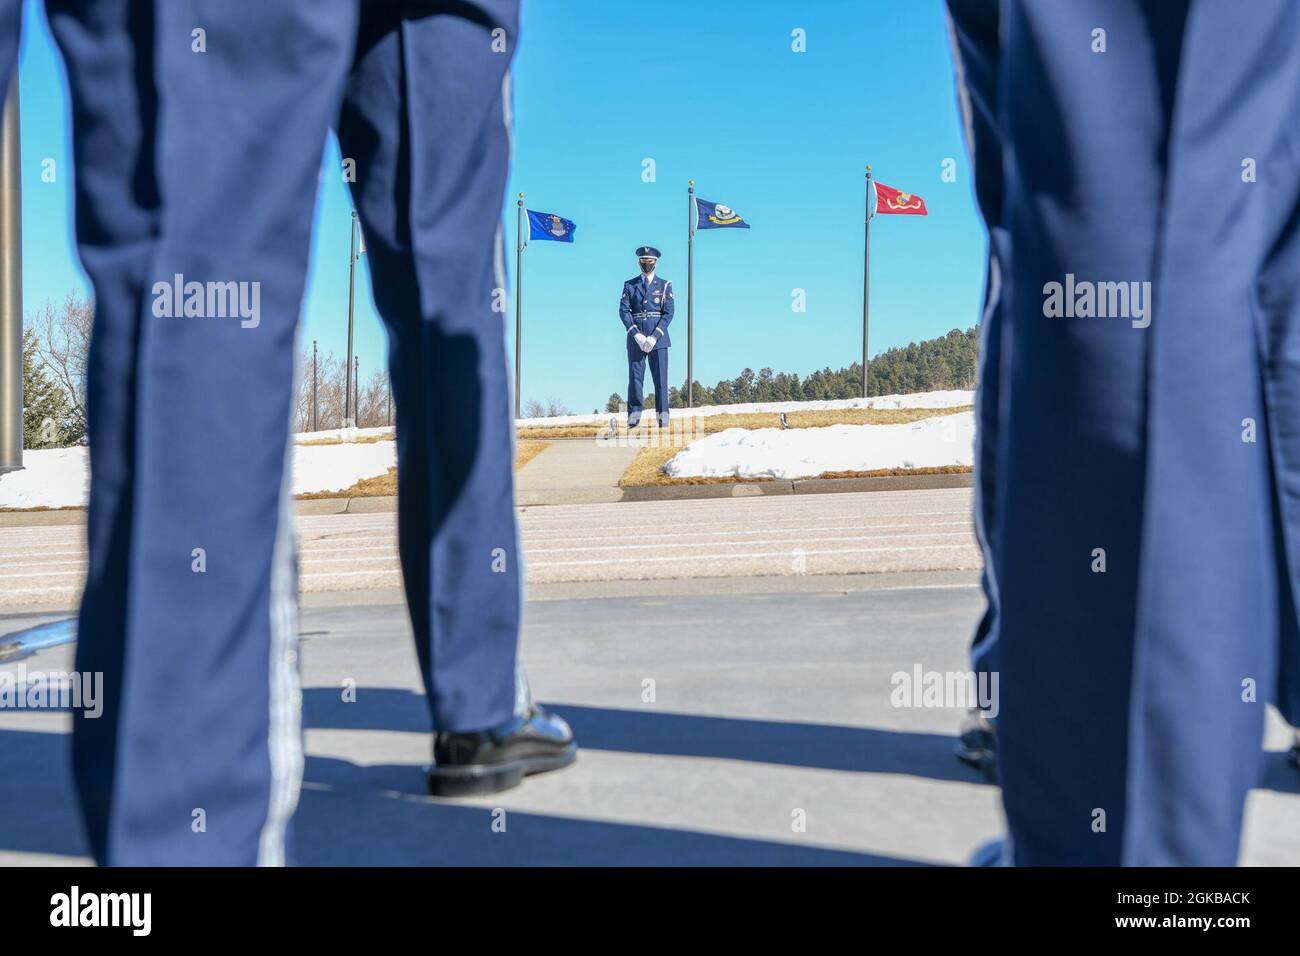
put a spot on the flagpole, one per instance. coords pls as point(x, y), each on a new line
point(11, 280)
point(866, 281)
point(348, 410)
point(690, 293)
point(313, 386)
point(519, 295)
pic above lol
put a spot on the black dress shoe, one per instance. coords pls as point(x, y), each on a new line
point(977, 744)
point(489, 761)
point(1295, 752)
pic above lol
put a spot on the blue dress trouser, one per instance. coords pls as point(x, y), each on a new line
point(1145, 465)
point(637, 361)
point(201, 166)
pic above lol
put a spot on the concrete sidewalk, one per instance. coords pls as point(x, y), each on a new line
point(715, 729)
point(574, 472)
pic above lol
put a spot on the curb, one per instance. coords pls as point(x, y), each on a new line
point(799, 486)
point(744, 489)
point(303, 506)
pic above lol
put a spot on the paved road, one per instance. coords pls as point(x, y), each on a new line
point(788, 536)
point(767, 710)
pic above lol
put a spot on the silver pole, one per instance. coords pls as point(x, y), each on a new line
point(519, 297)
point(690, 294)
point(350, 413)
point(11, 285)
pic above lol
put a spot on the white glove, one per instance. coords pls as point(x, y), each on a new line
point(648, 345)
point(640, 341)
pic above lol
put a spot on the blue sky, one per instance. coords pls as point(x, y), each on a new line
point(709, 91)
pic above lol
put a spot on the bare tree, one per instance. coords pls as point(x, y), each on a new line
point(373, 402)
point(551, 409)
point(63, 346)
point(372, 399)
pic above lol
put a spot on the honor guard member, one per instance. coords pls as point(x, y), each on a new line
point(646, 310)
point(1145, 528)
point(190, 599)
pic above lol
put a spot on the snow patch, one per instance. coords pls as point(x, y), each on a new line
point(951, 398)
point(59, 477)
point(808, 452)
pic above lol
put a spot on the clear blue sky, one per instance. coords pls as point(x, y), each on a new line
point(709, 91)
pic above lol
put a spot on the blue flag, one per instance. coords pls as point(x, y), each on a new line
point(544, 225)
point(714, 215)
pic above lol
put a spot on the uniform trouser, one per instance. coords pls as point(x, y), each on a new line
point(1141, 576)
point(973, 28)
point(189, 607)
point(637, 360)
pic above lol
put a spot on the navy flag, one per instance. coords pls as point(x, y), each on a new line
point(544, 225)
point(714, 215)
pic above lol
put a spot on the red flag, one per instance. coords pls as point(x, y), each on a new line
point(896, 202)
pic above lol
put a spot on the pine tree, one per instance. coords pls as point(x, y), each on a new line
point(48, 421)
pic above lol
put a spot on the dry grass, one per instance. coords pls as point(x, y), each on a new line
point(362, 440)
point(381, 486)
point(526, 450)
point(647, 469)
point(813, 418)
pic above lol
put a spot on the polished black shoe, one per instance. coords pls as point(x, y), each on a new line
point(977, 744)
point(489, 761)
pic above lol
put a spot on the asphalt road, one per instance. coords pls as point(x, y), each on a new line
point(790, 536)
point(769, 738)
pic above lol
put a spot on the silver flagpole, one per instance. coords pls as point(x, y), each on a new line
point(11, 285)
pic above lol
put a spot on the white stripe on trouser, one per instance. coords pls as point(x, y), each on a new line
point(284, 737)
point(523, 698)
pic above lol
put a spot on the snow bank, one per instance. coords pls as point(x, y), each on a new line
point(344, 434)
point(942, 399)
point(57, 478)
point(50, 478)
point(339, 467)
point(807, 452)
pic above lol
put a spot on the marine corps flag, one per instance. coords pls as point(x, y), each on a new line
point(891, 201)
point(897, 202)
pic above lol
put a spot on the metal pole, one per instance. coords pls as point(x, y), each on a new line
point(519, 295)
point(314, 419)
point(11, 285)
point(866, 281)
point(349, 412)
point(690, 293)
point(356, 393)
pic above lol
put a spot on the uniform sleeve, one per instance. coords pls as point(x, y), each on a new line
point(625, 307)
point(662, 328)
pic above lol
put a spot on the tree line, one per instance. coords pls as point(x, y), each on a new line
point(56, 344)
point(56, 348)
point(946, 362)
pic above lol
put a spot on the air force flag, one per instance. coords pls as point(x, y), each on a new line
point(544, 225)
point(714, 215)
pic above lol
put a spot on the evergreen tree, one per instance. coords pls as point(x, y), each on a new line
point(48, 420)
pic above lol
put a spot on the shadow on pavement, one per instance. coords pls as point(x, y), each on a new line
point(818, 746)
point(387, 822)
